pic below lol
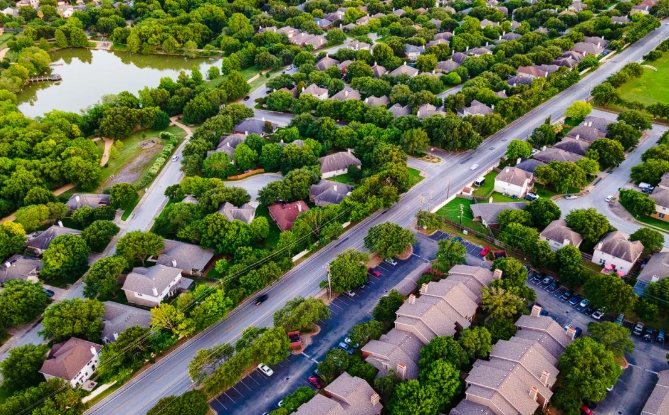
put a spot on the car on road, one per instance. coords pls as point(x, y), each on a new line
point(588, 310)
point(575, 300)
point(567, 295)
point(552, 287)
point(345, 347)
point(597, 314)
point(474, 166)
point(48, 293)
point(547, 280)
point(315, 381)
point(246, 98)
point(350, 342)
point(261, 299)
point(608, 198)
point(619, 319)
point(265, 370)
point(350, 293)
point(390, 261)
point(485, 251)
point(374, 272)
point(638, 329)
point(648, 335)
point(570, 197)
point(583, 304)
point(175, 158)
point(558, 293)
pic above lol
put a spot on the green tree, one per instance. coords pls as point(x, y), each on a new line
point(415, 141)
point(99, 234)
point(21, 302)
point(443, 348)
point(32, 217)
point(78, 38)
point(270, 157)
point(193, 402)
point(450, 253)
point(385, 385)
point(518, 149)
point(568, 261)
point(626, 134)
point(543, 256)
point(637, 119)
point(444, 379)
point(20, 369)
point(348, 270)
point(520, 236)
point(73, 318)
point(39, 196)
point(607, 152)
point(637, 203)
point(244, 157)
point(168, 317)
point(413, 398)
point(12, 238)
point(610, 291)
point(509, 216)
point(300, 314)
point(388, 239)
point(388, 305)
point(335, 36)
point(646, 310)
point(590, 224)
point(614, 337)
point(67, 256)
point(61, 40)
point(138, 246)
point(500, 303)
point(335, 363)
point(578, 110)
point(123, 196)
point(426, 62)
point(365, 331)
point(301, 395)
point(476, 342)
point(102, 279)
point(652, 240)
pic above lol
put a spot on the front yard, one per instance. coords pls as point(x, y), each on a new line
point(451, 211)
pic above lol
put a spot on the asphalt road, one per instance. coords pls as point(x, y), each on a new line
point(169, 376)
point(619, 178)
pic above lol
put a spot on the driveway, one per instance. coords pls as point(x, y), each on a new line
point(253, 184)
point(619, 178)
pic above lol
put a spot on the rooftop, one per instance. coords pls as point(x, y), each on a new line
point(338, 161)
point(515, 176)
point(19, 267)
point(617, 245)
point(65, 360)
point(559, 232)
point(79, 200)
point(244, 213)
point(42, 240)
point(327, 192)
point(119, 317)
point(284, 214)
point(184, 256)
point(488, 212)
point(146, 280)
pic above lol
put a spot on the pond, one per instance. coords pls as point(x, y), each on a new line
point(90, 74)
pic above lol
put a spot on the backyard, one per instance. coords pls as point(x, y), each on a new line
point(485, 189)
point(451, 211)
point(651, 87)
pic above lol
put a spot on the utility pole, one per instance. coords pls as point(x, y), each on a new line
point(329, 283)
point(421, 202)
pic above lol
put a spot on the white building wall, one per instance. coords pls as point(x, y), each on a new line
point(603, 258)
point(86, 373)
point(510, 189)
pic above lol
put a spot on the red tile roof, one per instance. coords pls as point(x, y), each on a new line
point(284, 214)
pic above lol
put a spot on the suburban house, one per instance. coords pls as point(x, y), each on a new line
point(255, 126)
point(602, 124)
point(41, 241)
point(428, 110)
point(437, 42)
point(228, 144)
point(487, 212)
point(555, 154)
point(150, 286)
point(485, 23)
point(19, 267)
point(288, 31)
point(377, 102)
point(577, 6)
point(442, 309)
point(327, 192)
point(325, 63)
point(316, 91)
point(284, 214)
point(337, 163)
point(475, 108)
point(378, 70)
point(655, 270)
point(399, 111)
point(443, 36)
point(477, 52)
point(658, 401)
point(413, 52)
point(404, 69)
point(661, 197)
point(357, 45)
point(529, 165)
point(117, 318)
point(79, 200)
point(347, 94)
point(587, 133)
point(245, 213)
point(516, 80)
point(514, 182)
point(342, 66)
point(520, 372)
point(510, 36)
point(459, 57)
point(557, 234)
point(616, 252)
point(74, 361)
point(304, 39)
point(190, 199)
point(586, 48)
point(532, 72)
point(323, 23)
point(620, 19)
point(447, 66)
point(573, 145)
point(345, 395)
point(189, 258)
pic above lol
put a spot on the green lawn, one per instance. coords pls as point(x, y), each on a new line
point(414, 177)
point(343, 178)
point(488, 185)
point(127, 212)
point(451, 211)
point(274, 231)
point(654, 222)
point(499, 198)
point(652, 86)
point(4, 38)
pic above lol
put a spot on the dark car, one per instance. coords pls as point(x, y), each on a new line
point(261, 299)
point(648, 335)
point(558, 293)
point(537, 277)
point(589, 310)
point(575, 300)
point(316, 382)
point(567, 295)
point(49, 293)
point(590, 405)
point(246, 98)
point(457, 239)
point(553, 286)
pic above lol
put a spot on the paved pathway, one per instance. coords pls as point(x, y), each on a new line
point(3, 53)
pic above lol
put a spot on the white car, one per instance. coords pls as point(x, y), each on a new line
point(474, 167)
point(350, 293)
point(265, 369)
point(608, 198)
point(175, 158)
point(390, 261)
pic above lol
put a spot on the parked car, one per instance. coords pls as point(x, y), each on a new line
point(457, 239)
point(597, 314)
point(175, 158)
point(558, 293)
point(567, 295)
point(345, 347)
point(390, 261)
point(619, 319)
point(261, 299)
point(660, 336)
point(547, 280)
point(590, 405)
point(265, 369)
point(350, 342)
point(350, 293)
point(585, 410)
point(648, 336)
point(315, 381)
point(374, 272)
point(537, 277)
point(246, 98)
point(583, 304)
point(552, 287)
point(48, 293)
point(575, 300)
point(531, 196)
point(577, 330)
point(589, 310)
point(570, 197)
point(638, 329)
point(485, 251)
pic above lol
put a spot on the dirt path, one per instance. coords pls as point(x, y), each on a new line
point(105, 156)
point(3, 53)
point(182, 126)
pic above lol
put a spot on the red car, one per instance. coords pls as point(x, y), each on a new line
point(485, 251)
point(374, 272)
point(585, 410)
point(315, 381)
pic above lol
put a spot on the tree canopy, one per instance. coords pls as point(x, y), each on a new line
point(388, 239)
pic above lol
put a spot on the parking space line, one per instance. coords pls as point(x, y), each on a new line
point(219, 401)
point(251, 377)
point(334, 312)
point(247, 387)
point(332, 303)
point(240, 394)
point(226, 394)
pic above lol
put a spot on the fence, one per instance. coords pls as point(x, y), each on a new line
point(247, 174)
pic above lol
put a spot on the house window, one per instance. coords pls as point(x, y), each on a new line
point(661, 215)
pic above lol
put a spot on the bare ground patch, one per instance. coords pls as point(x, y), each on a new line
point(135, 168)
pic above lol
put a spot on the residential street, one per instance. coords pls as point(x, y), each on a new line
point(614, 181)
point(169, 377)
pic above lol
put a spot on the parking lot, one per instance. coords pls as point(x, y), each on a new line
point(473, 250)
point(257, 393)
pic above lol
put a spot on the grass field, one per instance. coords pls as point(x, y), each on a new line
point(451, 211)
point(488, 185)
point(654, 222)
point(344, 178)
point(652, 86)
point(4, 38)
point(414, 177)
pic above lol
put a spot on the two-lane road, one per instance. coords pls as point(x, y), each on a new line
point(169, 376)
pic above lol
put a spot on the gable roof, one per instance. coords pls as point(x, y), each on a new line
point(119, 317)
point(488, 212)
point(253, 125)
point(65, 360)
point(514, 176)
point(617, 245)
point(378, 70)
point(284, 214)
point(408, 48)
point(544, 330)
point(529, 165)
point(447, 66)
point(325, 63)
point(228, 144)
point(584, 132)
point(338, 161)
point(244, 213)
point(477, 108)
point(347, 94)
point(428, 110)
point(327, 192)
point(42, 240)
point(377, 102)
point(532, 71)
point(599, 123)
point(519, 80)
point(315, 90)
point(399, 111)
point(559, 232)
point(404, 69)
point(459, 57)
point(660, 195)
point(79, 200)
point(587, 48)
point(658, 401)
point(656, 269)
point(144, 280)
point(466, 407)
point(19, 267)
point(184, 256)
point(555, 154)
point(572, 145)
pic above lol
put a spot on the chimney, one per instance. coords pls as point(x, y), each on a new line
point(281, 141)
point(155, 292)
point(340, 25)
point(375, 399)
point(423, 289)
point(536, 310)
point(94, 351)
point(77, 198)
point(565, 242)
point(599, 246)
point(543, 148)
point(412, 299)
point(263, 118)
point(366, 100)
point(246, 133)
point(466, 50)
point(590, 124)
point(227, 144)
point(497, 274)
point(503, 32)
point(401, 370)
point(404, 63)
point(346, 94)
point(374, 63)
point(533, 393)
point(518, 161)
point(174, 263)
point(418, 113)
point(334, 187)
point(500, 38)
point(578, 136)
point(571, 332)
point(599, 44)
point(507, 169)
point(486, 43)
point(544, 377)
point(493, 106)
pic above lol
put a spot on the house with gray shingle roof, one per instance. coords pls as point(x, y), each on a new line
point(404, 69)
point(254, 126)
point(413, 52)
point(661, 197)
point(466, 407)
point(191, 259)
point(117, 318)
point(74, 361)
point(436, 42)
point(585, 48)
point(325, 63)
point(150, 286)
point(228, 144)
point(399, 111)
point(514, 182)
point(544, 330)
point(476, 52)
point(447, 66)
point(573, 145)
point(79, 200)
point(357, 45)
point(337, 163)
point(347, 94)
point(568, 62)
point(485, 23)
point(428, 110)
point(530, 165)
point(584, 132)
point(323, 23)
point(558, 234)
point(620, 19)
point(658, 401)
point(41, 241)
point(190, 199)
point(459, 57)
point(655, 270)
point(316, 91)
point(616, 249)
point(346, 395)
point(602, 124)
point(515, 80)
point(378, 70)
point(443, 36)
point(510, 36)
point(327, 192)
point(487, 212)
point(19, 267)
point(532, 72)
point(555, 154)
point(475, 108)
point(377, 102)
point(245, 213)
